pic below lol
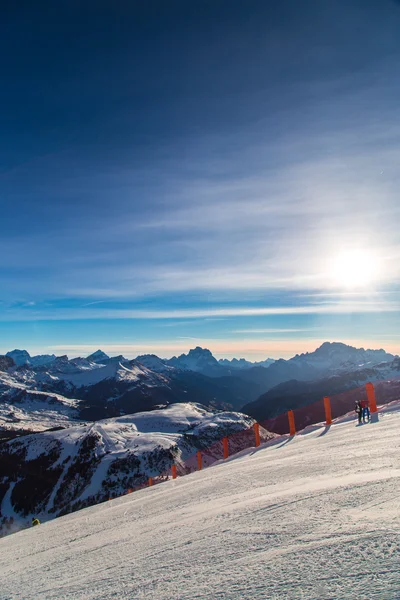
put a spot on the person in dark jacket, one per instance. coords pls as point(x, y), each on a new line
point(359, 411)
point(365, 410)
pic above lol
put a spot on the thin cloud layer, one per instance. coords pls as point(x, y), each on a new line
point(220, 176)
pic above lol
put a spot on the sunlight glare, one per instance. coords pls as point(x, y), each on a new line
point(355, 268)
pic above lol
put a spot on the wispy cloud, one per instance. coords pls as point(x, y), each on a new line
point(274, 230)
point(275, 330)
point(93, 303)
point(200, 313)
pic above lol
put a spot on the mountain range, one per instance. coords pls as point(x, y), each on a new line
point(77, 431)
point(36, 398)
point(45, 391)
point(201, 360)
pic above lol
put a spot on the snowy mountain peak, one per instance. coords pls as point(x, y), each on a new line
point(20, 357)
point(42, 359)
point(242, 363)
point(201, 352)
point(97, 356)
point(335, 348)
point(197, 359)
point(153, 362)
point(340, 353)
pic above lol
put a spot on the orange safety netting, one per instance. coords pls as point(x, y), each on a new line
point(316, 412)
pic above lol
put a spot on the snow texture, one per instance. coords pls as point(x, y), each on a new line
point(34, 410)
point(91, 462)
point(311, 517)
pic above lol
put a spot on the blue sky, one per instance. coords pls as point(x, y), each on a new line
point(204, 173)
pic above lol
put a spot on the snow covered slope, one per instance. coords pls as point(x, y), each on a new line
point(53, 473)
point(25, 409)
point(314, 517)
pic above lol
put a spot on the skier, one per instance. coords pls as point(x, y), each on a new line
point(365, 410)
point(35, 522)
point(359, 411)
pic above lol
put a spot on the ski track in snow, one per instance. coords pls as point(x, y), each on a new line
point(314, 517)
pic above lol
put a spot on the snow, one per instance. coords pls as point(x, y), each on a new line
point(7, 504)
point(114, 369)
point(178, 417)
point(310, 517)
point(178, 427)
point(35, 419)
point(98, 356)
point(22, 357)
point(242, 363)
point(336, 356)
point(35, 410)
point(152, 362)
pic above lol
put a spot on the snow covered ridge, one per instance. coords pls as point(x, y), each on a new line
point(242, 363)
point(54, 473)
point(22, 357)
point(103, 387)
point(100, 390)
point(329, 357)
point(313, 517)
point(24, 409)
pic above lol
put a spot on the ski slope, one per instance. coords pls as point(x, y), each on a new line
point(311, 517)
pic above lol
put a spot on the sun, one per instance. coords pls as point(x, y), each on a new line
point(355, 269)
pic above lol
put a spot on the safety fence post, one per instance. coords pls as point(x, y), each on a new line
point(370, 390)
point(328, 414)
point(225, 444)
point(292, 426)
point(256, 427)
point(199, 460)
point(371, 397)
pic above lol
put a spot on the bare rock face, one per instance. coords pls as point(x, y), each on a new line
point(6, 362)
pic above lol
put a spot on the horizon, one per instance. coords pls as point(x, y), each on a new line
point(185, 350)
point(200, 174)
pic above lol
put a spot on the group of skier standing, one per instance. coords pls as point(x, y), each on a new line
point(362, 411)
